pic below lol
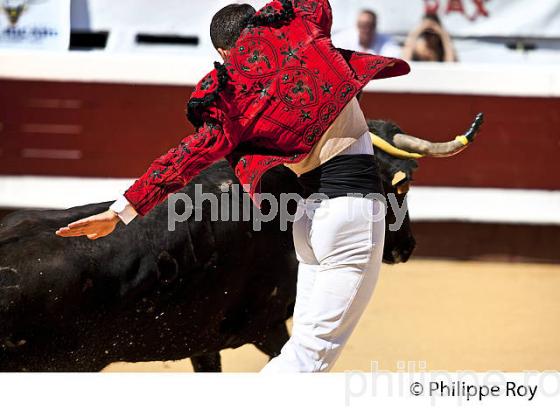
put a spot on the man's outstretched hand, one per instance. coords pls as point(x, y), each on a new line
point(94, 227)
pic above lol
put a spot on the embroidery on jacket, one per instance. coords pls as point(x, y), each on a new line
point(196, 105)
point(298, 88)
point(256, 58)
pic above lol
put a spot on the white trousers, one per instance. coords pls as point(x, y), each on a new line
point(339, 246)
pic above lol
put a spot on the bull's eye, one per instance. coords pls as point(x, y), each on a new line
point(398, 178)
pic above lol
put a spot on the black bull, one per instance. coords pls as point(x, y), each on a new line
point(145, 293)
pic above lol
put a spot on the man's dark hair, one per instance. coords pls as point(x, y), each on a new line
point(228, 23)
point(369, 12)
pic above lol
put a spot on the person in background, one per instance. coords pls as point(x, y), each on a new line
point(369, 40)
point(429, 42)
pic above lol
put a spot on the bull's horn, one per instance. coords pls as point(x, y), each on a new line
point(439, 149)
point(383, 145)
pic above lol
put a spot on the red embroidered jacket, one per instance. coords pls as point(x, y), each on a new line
point(282, 86)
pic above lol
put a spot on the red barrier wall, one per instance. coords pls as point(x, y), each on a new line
point(118, 129)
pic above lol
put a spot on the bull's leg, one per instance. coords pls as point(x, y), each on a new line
point(210, 362)
point(273, 340)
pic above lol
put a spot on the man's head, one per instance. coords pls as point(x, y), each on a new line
point(367, 27)
point(227, 24)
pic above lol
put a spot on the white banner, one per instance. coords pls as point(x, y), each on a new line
point(124, 19)
point(35, 24)
point(476, 18)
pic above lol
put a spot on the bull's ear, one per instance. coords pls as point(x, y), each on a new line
point(398, 178)
point(401, 182)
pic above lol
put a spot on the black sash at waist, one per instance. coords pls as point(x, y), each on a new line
point(344, 175)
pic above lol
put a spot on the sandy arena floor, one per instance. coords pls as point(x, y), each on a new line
point(450, 315)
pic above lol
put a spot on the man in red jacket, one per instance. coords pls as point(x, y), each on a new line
point(286, 95)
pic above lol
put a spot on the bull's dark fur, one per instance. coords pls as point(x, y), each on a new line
point(390, 165)
point(144, 293)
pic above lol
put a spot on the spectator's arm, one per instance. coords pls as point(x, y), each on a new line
point(449, 55)
point(411, 39)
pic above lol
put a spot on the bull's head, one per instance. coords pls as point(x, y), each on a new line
point(397, 153)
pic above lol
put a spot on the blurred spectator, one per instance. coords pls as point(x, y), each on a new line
point(429, 42)
point(368, 39)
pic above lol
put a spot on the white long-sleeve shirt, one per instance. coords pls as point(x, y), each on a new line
point(124, 210)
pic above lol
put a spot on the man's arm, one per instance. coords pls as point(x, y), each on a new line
point(167, 174)
point(176, 168)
